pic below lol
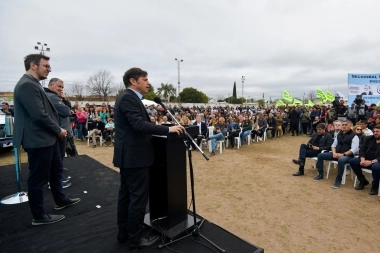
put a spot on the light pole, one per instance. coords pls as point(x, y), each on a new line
point(40, 47)
point(242, 88)
point(179, 82)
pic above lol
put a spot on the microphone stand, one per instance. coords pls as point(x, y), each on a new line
point(196, 231)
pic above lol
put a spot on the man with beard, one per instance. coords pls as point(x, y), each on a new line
point(37, 130)
point(369, 158)
point(321, 140)
point(345, 145)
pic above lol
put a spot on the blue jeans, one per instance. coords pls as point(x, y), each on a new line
point(82, 130)
point(45, 165)
point(245, 135)
point(329, 156)
point(214, 138)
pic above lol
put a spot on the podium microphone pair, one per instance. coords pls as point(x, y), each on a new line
point(158, 101)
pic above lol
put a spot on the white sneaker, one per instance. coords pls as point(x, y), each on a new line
point(260, 139)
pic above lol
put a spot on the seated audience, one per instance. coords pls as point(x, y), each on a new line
point(345, 145)
point(262, 123)
point(272, 123)
point(233, 131)
point(220, 133)
point(246, 129)
point(109, 130)
point(321, 140)
point(98, 128)
point(202, 130)
point(369, 158)
point(365, 129)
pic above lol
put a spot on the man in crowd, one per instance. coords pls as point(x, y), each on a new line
point(272, 125)
point(97, 130)
point(362, 110)
point(345, 145)
point(321, 140)
point(134, 154)
point(151, 111)
point(366, 131)
point(220, 133)
point(62, 105)
point(202, 130)
point(352, 114)
point(262, 123)
point(337, 128)
point(5, 109)
point(369, 158)
point(37, 130)
point(246, 129)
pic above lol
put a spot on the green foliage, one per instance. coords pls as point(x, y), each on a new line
point(167, 90)
point(191, 95)
point(261, 102)
point(234, 100)
point(150, 95)
point(234, 91)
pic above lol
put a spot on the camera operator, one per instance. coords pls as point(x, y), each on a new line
point(352, 114)
point(361, 108)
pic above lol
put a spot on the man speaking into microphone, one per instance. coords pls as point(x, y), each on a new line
point(134, 154)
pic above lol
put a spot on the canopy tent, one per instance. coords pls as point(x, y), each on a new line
point(148, 102)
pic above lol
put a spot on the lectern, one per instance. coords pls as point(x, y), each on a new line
point(168, 184)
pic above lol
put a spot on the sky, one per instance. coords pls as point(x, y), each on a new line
point(293, 45)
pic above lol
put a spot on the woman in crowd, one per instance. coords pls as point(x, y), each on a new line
point(359, 132)
point(103, 115)
point(279, 121)
point(255, 127)
point(185, 120)
point(82, 120)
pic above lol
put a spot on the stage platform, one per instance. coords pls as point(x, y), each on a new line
point(89, 226)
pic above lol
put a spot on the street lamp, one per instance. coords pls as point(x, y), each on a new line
point(242, 88)
point(179, 82)
point(40, 47)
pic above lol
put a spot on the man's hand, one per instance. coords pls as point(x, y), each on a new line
point(177, 129)
point(366, 163)
point(63, 96)
point(63, 133)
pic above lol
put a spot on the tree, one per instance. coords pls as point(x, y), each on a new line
point(191, 95)
point(100, 83)
point(261, 102)
point(312, 95)
point(233, 100)
point(76, 90)
point(166, 90)
point(234, 91)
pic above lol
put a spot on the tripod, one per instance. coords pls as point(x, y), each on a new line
point(196, 231)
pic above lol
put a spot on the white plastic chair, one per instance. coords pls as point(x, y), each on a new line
point(264, 135)
point(98, 136)
point(344, 172)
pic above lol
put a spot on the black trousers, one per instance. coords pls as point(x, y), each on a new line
point(62, 142)
point(45, 165)
point(232, 136)
point(197, 138)
point(305, 151)
point(133, 198)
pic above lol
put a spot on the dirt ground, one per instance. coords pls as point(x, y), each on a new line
point(251, 192)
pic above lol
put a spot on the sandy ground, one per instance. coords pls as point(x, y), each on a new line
point(251, 192)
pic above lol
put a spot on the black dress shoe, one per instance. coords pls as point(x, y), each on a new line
point(374, 190)
point(121, 238)
point(144, 242)
point(69, 202)
point(299, 173)
point(47, 219)
point(301, 163)
point(362, 184)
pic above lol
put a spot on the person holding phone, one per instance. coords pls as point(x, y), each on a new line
point(321, 140)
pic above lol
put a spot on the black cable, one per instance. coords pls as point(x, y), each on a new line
point(163, 240)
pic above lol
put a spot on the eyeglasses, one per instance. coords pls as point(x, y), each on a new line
point(358, 129)
point(48, 67)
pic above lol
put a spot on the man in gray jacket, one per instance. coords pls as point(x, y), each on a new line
point(36, 128)
point(63, 107)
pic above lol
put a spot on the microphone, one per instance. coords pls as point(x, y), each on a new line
point(158, 101)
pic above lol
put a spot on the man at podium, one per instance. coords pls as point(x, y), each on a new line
point(134, 154)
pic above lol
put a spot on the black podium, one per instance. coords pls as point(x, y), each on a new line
point(168, 184)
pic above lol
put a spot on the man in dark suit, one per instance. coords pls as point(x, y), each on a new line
point(134, 154)
point(37, 129)
point(202, 130)
point(321, 140)
point(369, 158)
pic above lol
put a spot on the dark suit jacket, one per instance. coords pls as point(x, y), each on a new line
point(324, 143)
point(203, 127)
point(36, 123)
point(368, 143)
point(133, 132)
